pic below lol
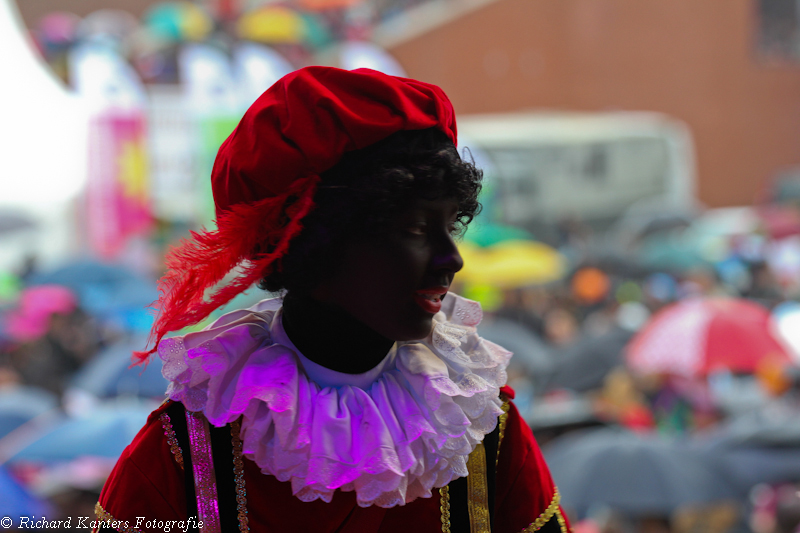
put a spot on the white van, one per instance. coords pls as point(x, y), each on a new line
point(546, 167)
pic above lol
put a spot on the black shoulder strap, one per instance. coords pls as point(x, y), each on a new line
point(177, 416)
point(491, 443)
point(222, 452)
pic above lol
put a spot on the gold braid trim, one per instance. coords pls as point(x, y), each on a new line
point(478, 491)
point(444, 494)
point(548, 513)
point(502, 424)
point(111, 522)
point(238, 476)
point(561, 522)
point(172, 440)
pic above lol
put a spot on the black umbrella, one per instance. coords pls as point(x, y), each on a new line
point(584, 364)
point(531, 354)
point(561, 414)
point(762, 446)
point(635, 474)
point(748, 467)
point(772, 426)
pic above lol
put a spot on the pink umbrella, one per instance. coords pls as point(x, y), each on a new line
point(780, 220)
point(59, 27)
point(700, 336)
point(36, 304)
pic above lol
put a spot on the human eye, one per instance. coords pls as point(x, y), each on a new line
point(416, 228)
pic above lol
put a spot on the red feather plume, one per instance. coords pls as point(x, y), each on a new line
point(199, 264)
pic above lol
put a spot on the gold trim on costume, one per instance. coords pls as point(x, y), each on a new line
point(502, 423)
point(477, 491)
point(561, 522)
point(105, 517)
point(172, 440)
point(444, 494)
point(238, 476)
point(548, 513)
point(205, 481)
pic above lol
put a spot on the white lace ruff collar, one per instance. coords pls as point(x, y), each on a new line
point(408, 432)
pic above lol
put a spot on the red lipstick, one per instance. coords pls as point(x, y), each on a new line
point(430, 300)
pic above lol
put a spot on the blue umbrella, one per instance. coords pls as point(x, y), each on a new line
point(110, 373)
point(20, 404)
point(104, 432)
point(17, 501)
point(106, 290)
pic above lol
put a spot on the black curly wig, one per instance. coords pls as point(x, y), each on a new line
point(365, 192)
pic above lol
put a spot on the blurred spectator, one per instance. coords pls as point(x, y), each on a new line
point(653, 524)
point(787, 512)
point(776, 508)
point(764, 288)
point(51, 338)
point(702, 281)
point(524, 306)
point(621, 400)
point(560, 327)
point(716, 518)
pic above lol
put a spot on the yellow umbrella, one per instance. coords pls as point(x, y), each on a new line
point(511, 263)
point(473, 257)
point(197, 24)
point(176, 21)
point(273, 24)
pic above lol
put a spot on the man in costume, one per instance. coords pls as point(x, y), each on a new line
point(364, 400)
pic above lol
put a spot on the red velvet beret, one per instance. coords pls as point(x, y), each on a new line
point(266, 172)
point(305, 122)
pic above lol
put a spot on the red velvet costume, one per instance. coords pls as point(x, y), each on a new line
point(148, 482)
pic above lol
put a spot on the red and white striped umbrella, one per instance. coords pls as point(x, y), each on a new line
point(699, 336)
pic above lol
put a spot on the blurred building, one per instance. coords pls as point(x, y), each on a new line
point(730, 69)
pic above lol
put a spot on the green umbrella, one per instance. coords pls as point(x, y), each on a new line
point(317, 34)
point(485, 234)
point(675, 252)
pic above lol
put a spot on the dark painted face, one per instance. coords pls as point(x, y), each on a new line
point(394, 283)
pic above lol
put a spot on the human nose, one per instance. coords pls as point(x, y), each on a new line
point(446, 256)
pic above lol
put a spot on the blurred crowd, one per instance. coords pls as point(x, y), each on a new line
point(685, 360)
point(297, 30)
point(672, 336)
point(65, 342)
